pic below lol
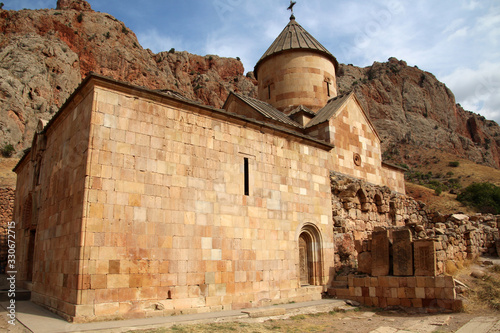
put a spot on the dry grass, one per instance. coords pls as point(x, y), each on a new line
point(446, 203)
point(484, 294)
point(466, 173)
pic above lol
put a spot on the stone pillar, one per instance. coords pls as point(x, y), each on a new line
point(402, 253)
point(425, 257)
point(380, 253)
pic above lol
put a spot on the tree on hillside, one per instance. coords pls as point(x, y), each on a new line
point(483, 196)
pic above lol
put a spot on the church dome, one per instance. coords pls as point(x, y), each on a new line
point(296, 70)
point(295, 37)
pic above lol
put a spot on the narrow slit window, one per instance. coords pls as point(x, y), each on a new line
point(328, 88)
point(269, 91)
point(247, 177)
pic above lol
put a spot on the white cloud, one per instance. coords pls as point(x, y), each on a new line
point(156, 42)
point(477, 90)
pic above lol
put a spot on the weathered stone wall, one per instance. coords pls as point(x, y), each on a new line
point(359, 208)
point(428, 293)
point(49, 206)
point(460, 237)
point(168, 228)
point(6, 211)
point(357, 151)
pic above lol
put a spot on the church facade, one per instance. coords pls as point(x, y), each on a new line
point(135, 203)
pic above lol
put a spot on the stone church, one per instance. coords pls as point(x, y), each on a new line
point(135, 203)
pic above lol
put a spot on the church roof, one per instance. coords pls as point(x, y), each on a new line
point(267, 110)
point(302, 108)
point(330, 109)
point(295, 37)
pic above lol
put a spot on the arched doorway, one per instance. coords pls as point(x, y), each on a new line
point(310, 259)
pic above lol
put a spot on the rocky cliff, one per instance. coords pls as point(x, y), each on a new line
point(46, 53)
point(413, 111)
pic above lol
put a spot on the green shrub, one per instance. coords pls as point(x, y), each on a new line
point(483, 196)
point(79, 18)
point(172, 50)
point(454, 164)
point(8, 150)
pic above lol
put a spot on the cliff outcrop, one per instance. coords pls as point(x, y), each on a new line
point(412, 110)
point(46, 54)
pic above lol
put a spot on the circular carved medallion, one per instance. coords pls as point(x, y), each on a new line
point(357, 159)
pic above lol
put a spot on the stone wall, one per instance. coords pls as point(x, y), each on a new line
point(360, 208)
point(184, 209)
point(460, 237)
point(421, 292)
point(51, 181)
point(6, 211)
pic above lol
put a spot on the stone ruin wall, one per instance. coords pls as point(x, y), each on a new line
point(360, 208)
point(6, 211)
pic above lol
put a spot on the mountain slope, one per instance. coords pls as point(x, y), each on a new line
point(413, 111)
point(44, 54)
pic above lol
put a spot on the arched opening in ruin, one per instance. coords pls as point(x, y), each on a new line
point(310, 255)
point(379, 202)
point(363, 202)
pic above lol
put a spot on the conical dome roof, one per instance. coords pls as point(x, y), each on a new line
point(294, 37)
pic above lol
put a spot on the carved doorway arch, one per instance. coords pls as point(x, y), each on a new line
point(310, 257)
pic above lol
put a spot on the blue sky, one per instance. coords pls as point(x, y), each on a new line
point(456, 40)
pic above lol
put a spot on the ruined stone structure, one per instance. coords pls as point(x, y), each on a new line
point(389, 251)
point(133, 202)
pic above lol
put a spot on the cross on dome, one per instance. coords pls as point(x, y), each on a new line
point(290, 8)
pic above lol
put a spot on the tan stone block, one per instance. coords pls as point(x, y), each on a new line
point(410, 292)
point(114, 266)
point(420, 292)
point(98, 281)
point(421, 280)
point(383, 281)
point(449, 282)
point(449, 293)
point(430, 281)
point(135, 280)
point(393, 281)
point(134, 200)
point(102, 266)
point(84, 310)
point(393, 302)
point(107, 309)
point(127, 294)
point(416, 302)
point(118, 280)
point(104, 295)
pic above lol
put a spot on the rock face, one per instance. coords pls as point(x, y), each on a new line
point(412, 110)
point(46, 53)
